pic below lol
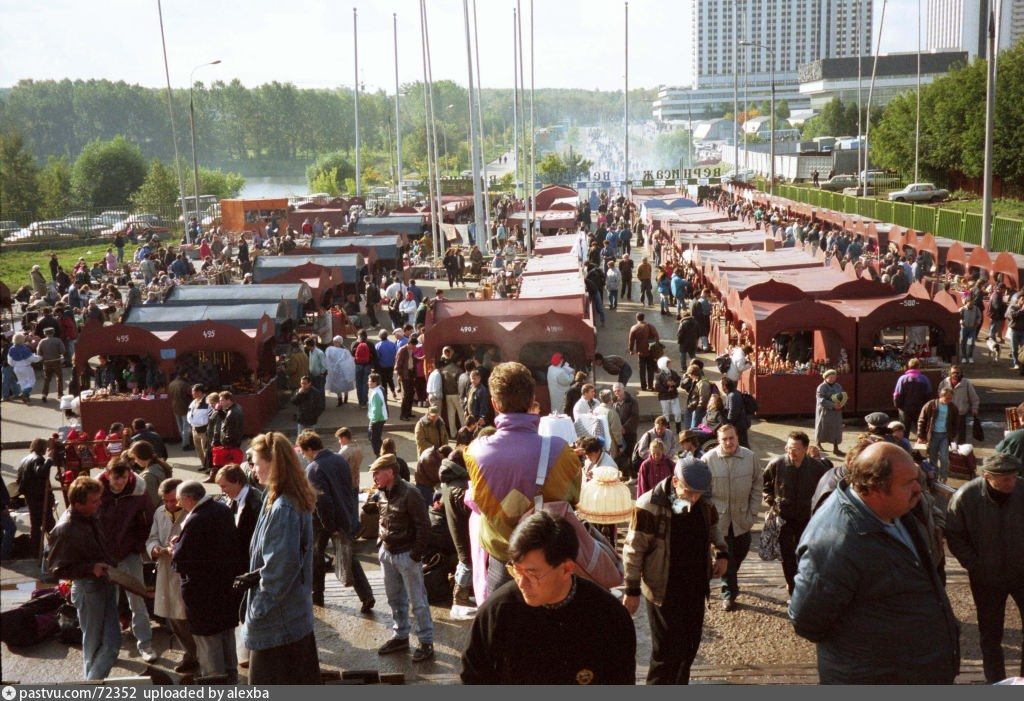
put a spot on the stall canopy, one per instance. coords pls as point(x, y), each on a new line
point(551, 285)
point(295, 294)
point(547, 220)
point(346, 265)
point(957, 256)
point(548, 195)
point(555, 263)
point(783, 259)
point(766, 319)
point(411, 224)
point(1011, 267)
point(160, 317)
point(387, 247)
point(549, 245)
point(874, 314)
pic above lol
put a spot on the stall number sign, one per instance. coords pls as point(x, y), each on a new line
point(209, 333)
point(554, 329)
point(467, 329)
point(124, 338)
point(909, 303)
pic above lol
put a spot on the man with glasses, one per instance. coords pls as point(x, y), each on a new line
point(549, 626)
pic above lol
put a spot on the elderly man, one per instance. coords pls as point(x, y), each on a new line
point(208, 558)
point(549, 626)
point(985, 532)
point(868, 590)
point(736, 485)
point(668, 559)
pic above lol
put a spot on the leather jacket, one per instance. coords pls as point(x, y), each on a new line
point(404, 524)
point(76, 544)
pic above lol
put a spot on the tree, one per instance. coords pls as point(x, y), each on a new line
point(562, 170)
point(224, 185)
point(327, 181)
point(55, 196)
point(782, 110)
point(160, 188)
point(334, 164)
point(19, 189)
point(107, 173)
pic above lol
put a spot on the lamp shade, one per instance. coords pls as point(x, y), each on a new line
point(605, 499)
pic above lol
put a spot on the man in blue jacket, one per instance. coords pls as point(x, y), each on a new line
point(867, 590)
point(336, 512)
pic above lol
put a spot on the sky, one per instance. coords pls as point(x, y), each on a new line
point(579, 43)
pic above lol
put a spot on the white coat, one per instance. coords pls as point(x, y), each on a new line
point(168, 602)
point(341, 370)
point(559, 380)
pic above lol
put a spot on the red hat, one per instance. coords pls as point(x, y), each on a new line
point(556, 359)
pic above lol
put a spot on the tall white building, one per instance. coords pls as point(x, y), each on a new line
point(963, 25)
point(795, 31)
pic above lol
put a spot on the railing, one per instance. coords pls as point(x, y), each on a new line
point(86, 223)
point(1007, 234)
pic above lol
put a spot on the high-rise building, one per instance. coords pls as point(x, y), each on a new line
point(963, 25)
point(795, 31)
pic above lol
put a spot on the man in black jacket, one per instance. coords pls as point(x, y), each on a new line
point(233, 424)
point(208, 558)
point(789, 484)
point(549, 626)
point(144, 432)
point(403, 538)
point(34, 484)
point(308, 401)
point(331, 477)
point(78, 552)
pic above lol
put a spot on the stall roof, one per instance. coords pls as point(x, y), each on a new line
point(722, 227)
point(412, 224)
point(557, 262)
point(347, 265)
point(551, 245)
point(781, 259)
point(387, 246)
point(294, 294)
point(548, 195)
point(552, 285)
point(767, 319)
point(1010, 265)
point(549, 219)
point(505, 309)
point(162, 318)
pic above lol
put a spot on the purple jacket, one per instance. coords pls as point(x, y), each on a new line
point(913, 389)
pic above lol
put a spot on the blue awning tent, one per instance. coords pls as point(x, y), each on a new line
point(412, 224)
point(162, 317)
point(347, 265)
point(295, 294)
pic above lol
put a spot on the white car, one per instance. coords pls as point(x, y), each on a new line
point(919, 192)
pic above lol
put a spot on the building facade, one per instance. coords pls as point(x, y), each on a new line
point(962, 25)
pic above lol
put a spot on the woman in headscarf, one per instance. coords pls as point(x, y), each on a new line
point(21, 357)
point(341, 370)
point(828, 413)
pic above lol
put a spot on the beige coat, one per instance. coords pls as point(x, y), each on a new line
point(736, 484)
point(168, 602)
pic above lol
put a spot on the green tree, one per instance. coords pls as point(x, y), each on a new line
point(673, 149)
point(330, 165)
point(55, 194)
point(555, 169)
point(224, 185)
point(782, 110)
point(160, 188)
point(19, 189)
point(107, 173)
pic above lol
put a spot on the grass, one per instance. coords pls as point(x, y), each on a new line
point(16, 263)
point(1011, 209)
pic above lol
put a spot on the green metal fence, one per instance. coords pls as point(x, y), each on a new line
point(924, 218)
point(972, 228)
point(1008, 235)
point(902, 214)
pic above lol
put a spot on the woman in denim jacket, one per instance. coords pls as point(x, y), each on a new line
point(278, 626)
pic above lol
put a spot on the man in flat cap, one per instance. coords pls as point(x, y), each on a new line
point(985, 532)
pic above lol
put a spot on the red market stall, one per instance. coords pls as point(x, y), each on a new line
point(252, 215)
point(386, 249)
point(1011, 267)
point(347, 270)
point(553, 285)
point(548, 195)
point(556, 263)
point(549, 245)
point(891, 330)
point(333, 217)
point(786, 386)
point(547, 220)
point(957, 256)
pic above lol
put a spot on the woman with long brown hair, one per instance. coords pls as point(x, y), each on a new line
point(278, 628)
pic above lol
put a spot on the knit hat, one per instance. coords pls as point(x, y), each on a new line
point(1001, 464)
point(829, 373)
point(694, 473)
point(384, 462)
point(556, 359)
point(877, 419)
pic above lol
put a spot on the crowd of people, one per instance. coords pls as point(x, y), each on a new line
point(241, 574)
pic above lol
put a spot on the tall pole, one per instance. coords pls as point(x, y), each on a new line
point(771, 124)
point(625, 115)
point(860, 90)
point(398, 122)
point(355, 51)
point(746, 77)
point(917, 117)
point(480, 122)
point(735, 88)
point(174, 131)
point(433, 121)
point(474, 152)
point(515, 100)
point(192, 125)
point(522, 110)
point(533, 141)
point(435, 213)
point(871, 89)
point(990, 110)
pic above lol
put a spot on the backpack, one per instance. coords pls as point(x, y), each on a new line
point(749, 403)
point(362, 354)
point(596, 559)
point(724, 362)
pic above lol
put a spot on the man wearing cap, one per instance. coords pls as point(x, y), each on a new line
point(560, 375)
point(672, 550)
point(402, 542)
point(430, 431)
point(51, 349)
point(868, 590)
point(985, 532)
point(789, 484)
point(1013, 442)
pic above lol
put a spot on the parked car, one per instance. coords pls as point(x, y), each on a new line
point(49, 229)
point(739, 176)
point(858, 191)
point(919, 192)
point(838, 183)
point(83, 223)
point(879, 178)
point(111, 218)
point(143, 222)
point(8, 227)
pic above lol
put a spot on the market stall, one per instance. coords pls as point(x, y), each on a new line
point(347, 269)
point(893, 329)
point(412, 225)
point(549, 220)
point(297, 295)
point(1011, 267)
point(253, 214)
point(384, 249)
point(550, 245)
point(555, 263)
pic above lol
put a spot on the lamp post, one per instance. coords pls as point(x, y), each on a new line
point(192, 124)
point(771, 117)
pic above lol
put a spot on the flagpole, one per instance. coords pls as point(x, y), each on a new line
point(398, 120)
point(355, 51)
point(435, 214)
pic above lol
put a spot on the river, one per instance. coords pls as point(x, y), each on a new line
point(273, 186)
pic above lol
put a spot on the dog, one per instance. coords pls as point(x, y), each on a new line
point(995, 348)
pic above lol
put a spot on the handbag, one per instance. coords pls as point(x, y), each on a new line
point(768, 546)
point(977, 432)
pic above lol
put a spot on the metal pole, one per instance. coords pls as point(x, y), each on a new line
point(533, 141)
point(355, 51)
point(480, 121)
point(990, 108)
point(746, 77)
point(192, 125)
point(917, 118)
point(435, 213)
point(174, 131)
point(871, 89)
point(433, 121)
point(860, 143)
point(735, 89)
point(398, 119)
point(515, 101)
point(771, 124)
point(474, 152)
point(625, 115)
point(523, 126)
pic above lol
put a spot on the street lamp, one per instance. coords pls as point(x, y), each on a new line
point(771, 117)
point(192, 124)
